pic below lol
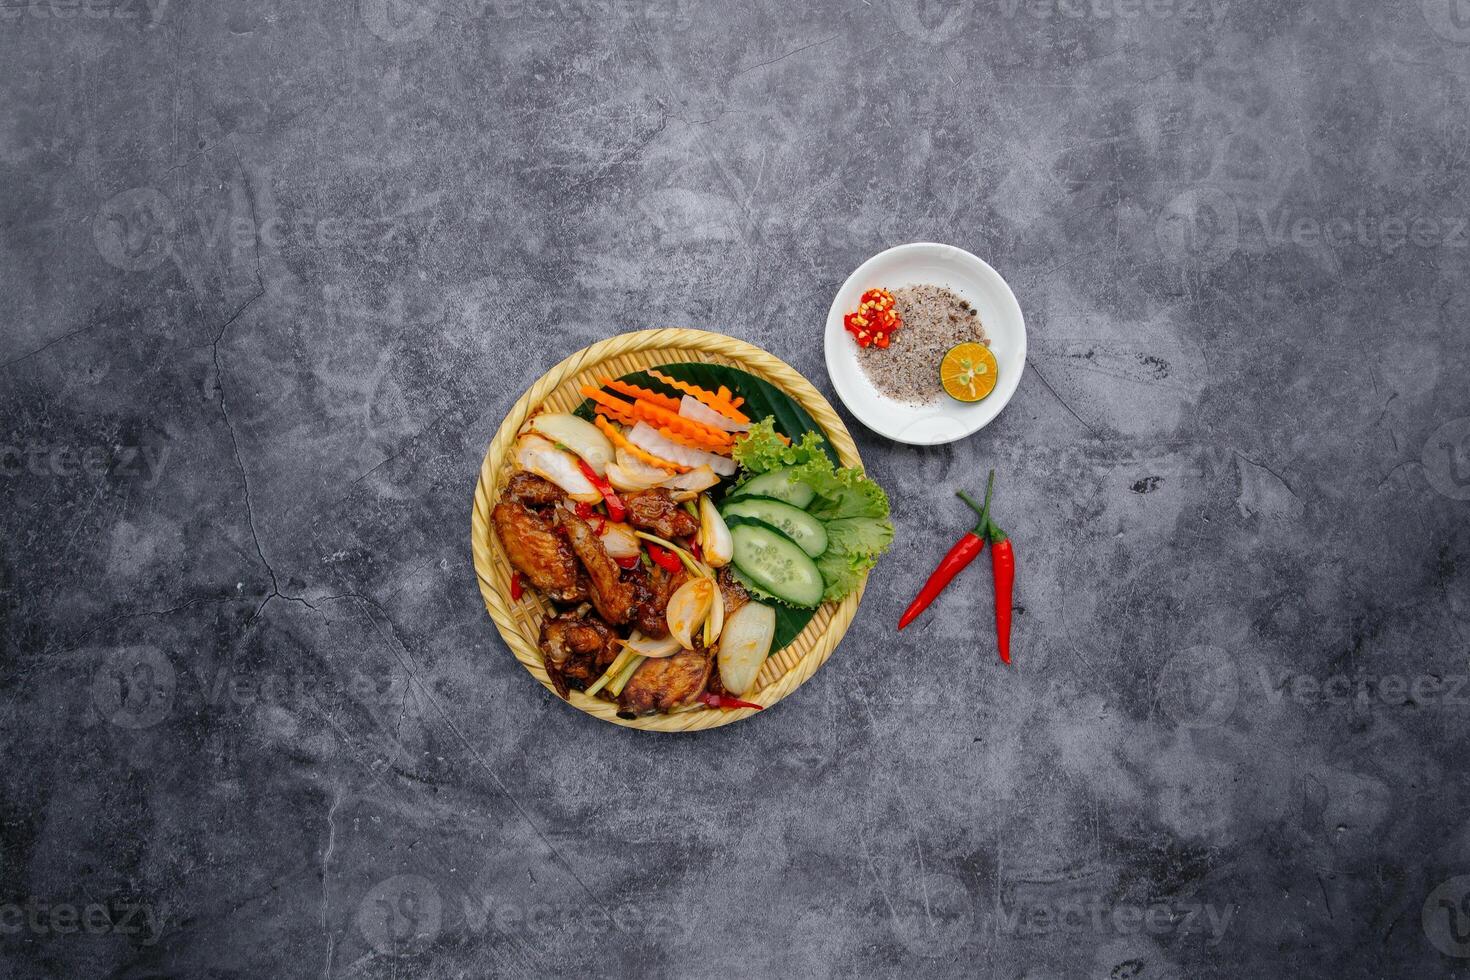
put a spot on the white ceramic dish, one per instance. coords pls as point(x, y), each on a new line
point(945, 419)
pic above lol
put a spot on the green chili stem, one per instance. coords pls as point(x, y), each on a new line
point(983, 527)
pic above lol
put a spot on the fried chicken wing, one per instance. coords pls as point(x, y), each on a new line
point(647, 614)
point(616, 600)
point(666, 683)
point(577, 650)
point(653, 589)
point(656, 510)
point(533, 490)
point(731, 590)
point(537, 551)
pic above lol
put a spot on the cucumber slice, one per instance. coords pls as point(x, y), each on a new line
point(793, 522)
point(777, 484)
point(775, 564)
point(756, 592)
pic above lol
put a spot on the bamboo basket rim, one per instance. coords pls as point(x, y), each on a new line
point(491, 568)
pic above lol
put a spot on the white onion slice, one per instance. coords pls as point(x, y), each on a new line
point(646, 647)
point(535, 454)
point(745, 645)
point(715, 543)
point(693, 408)
point(621, 479)
point(687, 486)
point(688, 608)
point(638, 469)
point(578, 435)
point(649, 439)
point(619, 541)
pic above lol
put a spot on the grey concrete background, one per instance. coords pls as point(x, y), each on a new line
point(271, 273)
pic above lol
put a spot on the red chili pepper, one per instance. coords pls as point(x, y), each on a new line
point(583, 510)
point(666, 559)
point(630, 562)
point(1003, 570)
point(615, 508)
point(963, 552)
point(517, 589)
point(725, 701)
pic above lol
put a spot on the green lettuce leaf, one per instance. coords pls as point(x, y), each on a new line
point(762, 449)
point(859, 535)
point(843, 572)
point(843, 493)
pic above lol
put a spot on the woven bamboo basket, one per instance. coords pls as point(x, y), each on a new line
point(557, 390)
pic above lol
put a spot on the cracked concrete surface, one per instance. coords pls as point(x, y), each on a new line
point(272, 274)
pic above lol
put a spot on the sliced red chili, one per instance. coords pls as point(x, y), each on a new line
point(615, 507)
point(517, 589)
point(874, 319)
point(630, 562)
point(725, 701)
point(664, 558)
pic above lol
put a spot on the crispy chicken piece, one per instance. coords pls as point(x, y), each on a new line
point(533, 490)
point(666, 683)
point(577, 650)
point(647, 613)
point(538, 552)
point(653, 608)
point(615, 599)
point(731, 590)
point(656, 510)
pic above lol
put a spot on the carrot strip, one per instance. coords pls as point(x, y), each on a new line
point(710, 398)
point(617, 405)
point(641, 394)
point(691, 442)
point(729, 396)
point(627, 418)
point(708, 437)
point(621, 441)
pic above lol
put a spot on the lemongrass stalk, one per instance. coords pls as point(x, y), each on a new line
point(714, 623)
point(619, 662)
point(616, 687)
